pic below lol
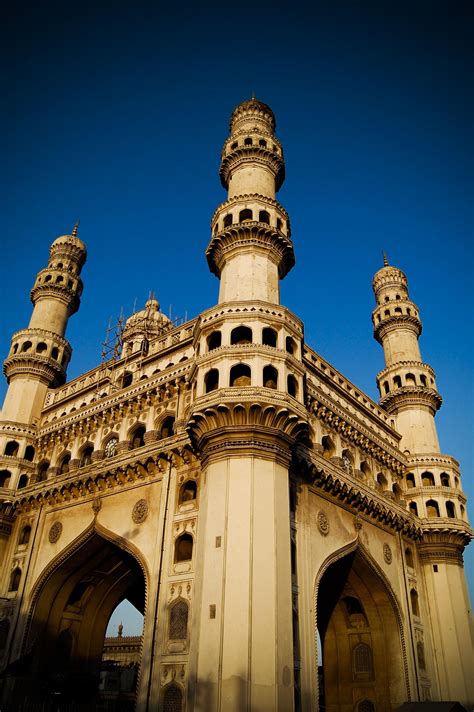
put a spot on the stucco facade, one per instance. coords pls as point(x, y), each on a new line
point(233, 485)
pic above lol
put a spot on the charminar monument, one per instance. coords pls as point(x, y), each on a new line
point(236, 488)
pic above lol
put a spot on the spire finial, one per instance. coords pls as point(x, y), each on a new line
point(253, 95)
point(75, 229)
point(385, 260)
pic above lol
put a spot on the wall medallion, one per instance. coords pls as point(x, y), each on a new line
point(140, 511)
point(55, 532)
point(323, 523)
point(387, 553)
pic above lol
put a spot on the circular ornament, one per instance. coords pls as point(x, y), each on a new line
point(387, 553)
point(55, 532)
point(323, 523)
point(140, 511)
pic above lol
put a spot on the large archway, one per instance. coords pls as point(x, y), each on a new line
point(363, 666)
point(71, 607)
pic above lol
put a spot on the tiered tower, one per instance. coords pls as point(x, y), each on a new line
point(39, 355)
point(247, 414)
point(432, 483)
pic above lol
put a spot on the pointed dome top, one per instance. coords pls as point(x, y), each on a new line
point(68, 242)
point(253, 107)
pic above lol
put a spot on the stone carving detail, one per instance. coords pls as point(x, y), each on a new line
point(140, 511)
point(387, 553)
point(55, 532)
point(323, 523)
point(96, 505)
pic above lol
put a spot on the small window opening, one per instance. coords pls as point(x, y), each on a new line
point(245, 215)
point(64, 466)
point(292, 386)
point(167, 428)
point(228, 220)
point(328, 447)
point(450, 511)
point(183, 550)
point(423, 380)
point(25, 535)
point(410, 479)
point(432, 508)
point(264, 217)
point(269, 337)
point(444, 479)
point(262, 143)
point(211, 380)
point(5, 478)
point(240, 376)
point(138, 437)
point(427, 479)
point(397, 381)
point(290, 345)
point(410, 378)
point(11, 448)
point(409, 557)
point(127, 379)
point(55, 353)
point(86, 456)
point(270, 377)
point(187, 492)
point(386, 387)
point(43, 471)
point(414, 602)
point(29, 453)
point(214, 340)
point(234, 145)
point(23, 481)
point(15, 580)
point(248, 141)
point(413, 508)
point(241, 335)
point(41, 347)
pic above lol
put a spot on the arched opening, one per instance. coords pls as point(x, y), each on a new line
point(167, 427)
point(26, 347)
point(70, 611)
point(292, 386)
point(381, 480)
point(5, 478)
point(23, 481)
point(42, 471)
point(228, 220)
point(290, 345)
point(11, 448)
point(269, 337)
point(64, 464)
point(41, 347)
point(248, 141)
point(138, 437)
point(86, 456)
point(172, 698)
point(121, 657)
point(386, 387)
point(262, 143)
point(444, 479)
point(211, 380)
point(245, 215)
point(270, 377)
point(183, 548)
point(358, 624)
point(240, 376)
point(410, 480)
point(415, 609)
point(241, 335)
point(55, 353)
point(427, 479)
point(423, 380)
point(450, 510)
point(413, 508)
point(397, 381)
point(432, 508)
point(410, 379)
point(127, 379)
point(15, 578)
point(187, 492)
point(25, 534)
point(264, 217)
point(396, 490)
point(178, 620)
point(365, 469)
point(328, 447)
point(214, 340)
point(29, 453)
point(409, 557)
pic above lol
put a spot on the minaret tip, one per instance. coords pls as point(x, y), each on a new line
point(75, 229)
point(385, 260)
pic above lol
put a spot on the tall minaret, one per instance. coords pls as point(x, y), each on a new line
point(247, 412)
point(251, 249)
point(39, 355)
point(432, 483)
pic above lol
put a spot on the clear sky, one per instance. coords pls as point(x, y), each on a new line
point(115, 113)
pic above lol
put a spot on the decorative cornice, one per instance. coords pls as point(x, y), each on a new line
point(60, 292)
point(394, 322)
point(403, 365)
point(411, 397)
point(252, 234)
point(252, 154)
point(248, 197)
point(44, 368)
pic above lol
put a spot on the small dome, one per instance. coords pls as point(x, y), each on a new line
point(253, 106)
point(71, 240)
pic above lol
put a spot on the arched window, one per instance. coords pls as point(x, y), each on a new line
point(240, 376)
point(55, 353)
point(328, 447)
point(450, 510)
point(234, 145)
point(241, 335)
point(463, 511)
point(172, 699)
point(183, 549)
point(264, 217)
point(423, 380)
point(127, 379)
point(167, 427)
point(427, 479)
point(23, 481)
point(248, 141)
point(64, 465)
point(269, 337)
point(444, 479)
point(245, 215)
point(15, 579)
point(41, 347)
point(211, 380)
point(270, 377)
point(365, 468)
point(292, 386)
point(386, 387)
point(410, 480)
point(432, 508)
point(420, 653)
point(110, 447)
point(410, 378)
point(29, 453)
point(409, 557)
point(25, 535)
point(279, 224)
point(43, 471)
point(187, 492)
point(11, 448)
point(26, 346)
point(355, 612)
point(397, 381)
point(138, 437)
point(5, 478)
point(382, 480)
point(86, 456)
point(362, 655)
point(214, 340)
point(415, 609)
point(262, 143)
point(290, 345)
point(178, 623)
point(396, 490)
point(413, 508)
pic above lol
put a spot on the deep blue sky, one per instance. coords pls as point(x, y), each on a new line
point(116, 113)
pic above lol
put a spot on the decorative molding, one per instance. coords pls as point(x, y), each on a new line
point(140, 511)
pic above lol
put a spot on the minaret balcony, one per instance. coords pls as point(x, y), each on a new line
point(387, 319)
point(42, 344)
point(411, 397)
point(250, 207)
point(256, 156)
point(44, 368)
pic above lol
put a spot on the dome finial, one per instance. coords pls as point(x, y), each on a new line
point(75, 229)
point(385, 259)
